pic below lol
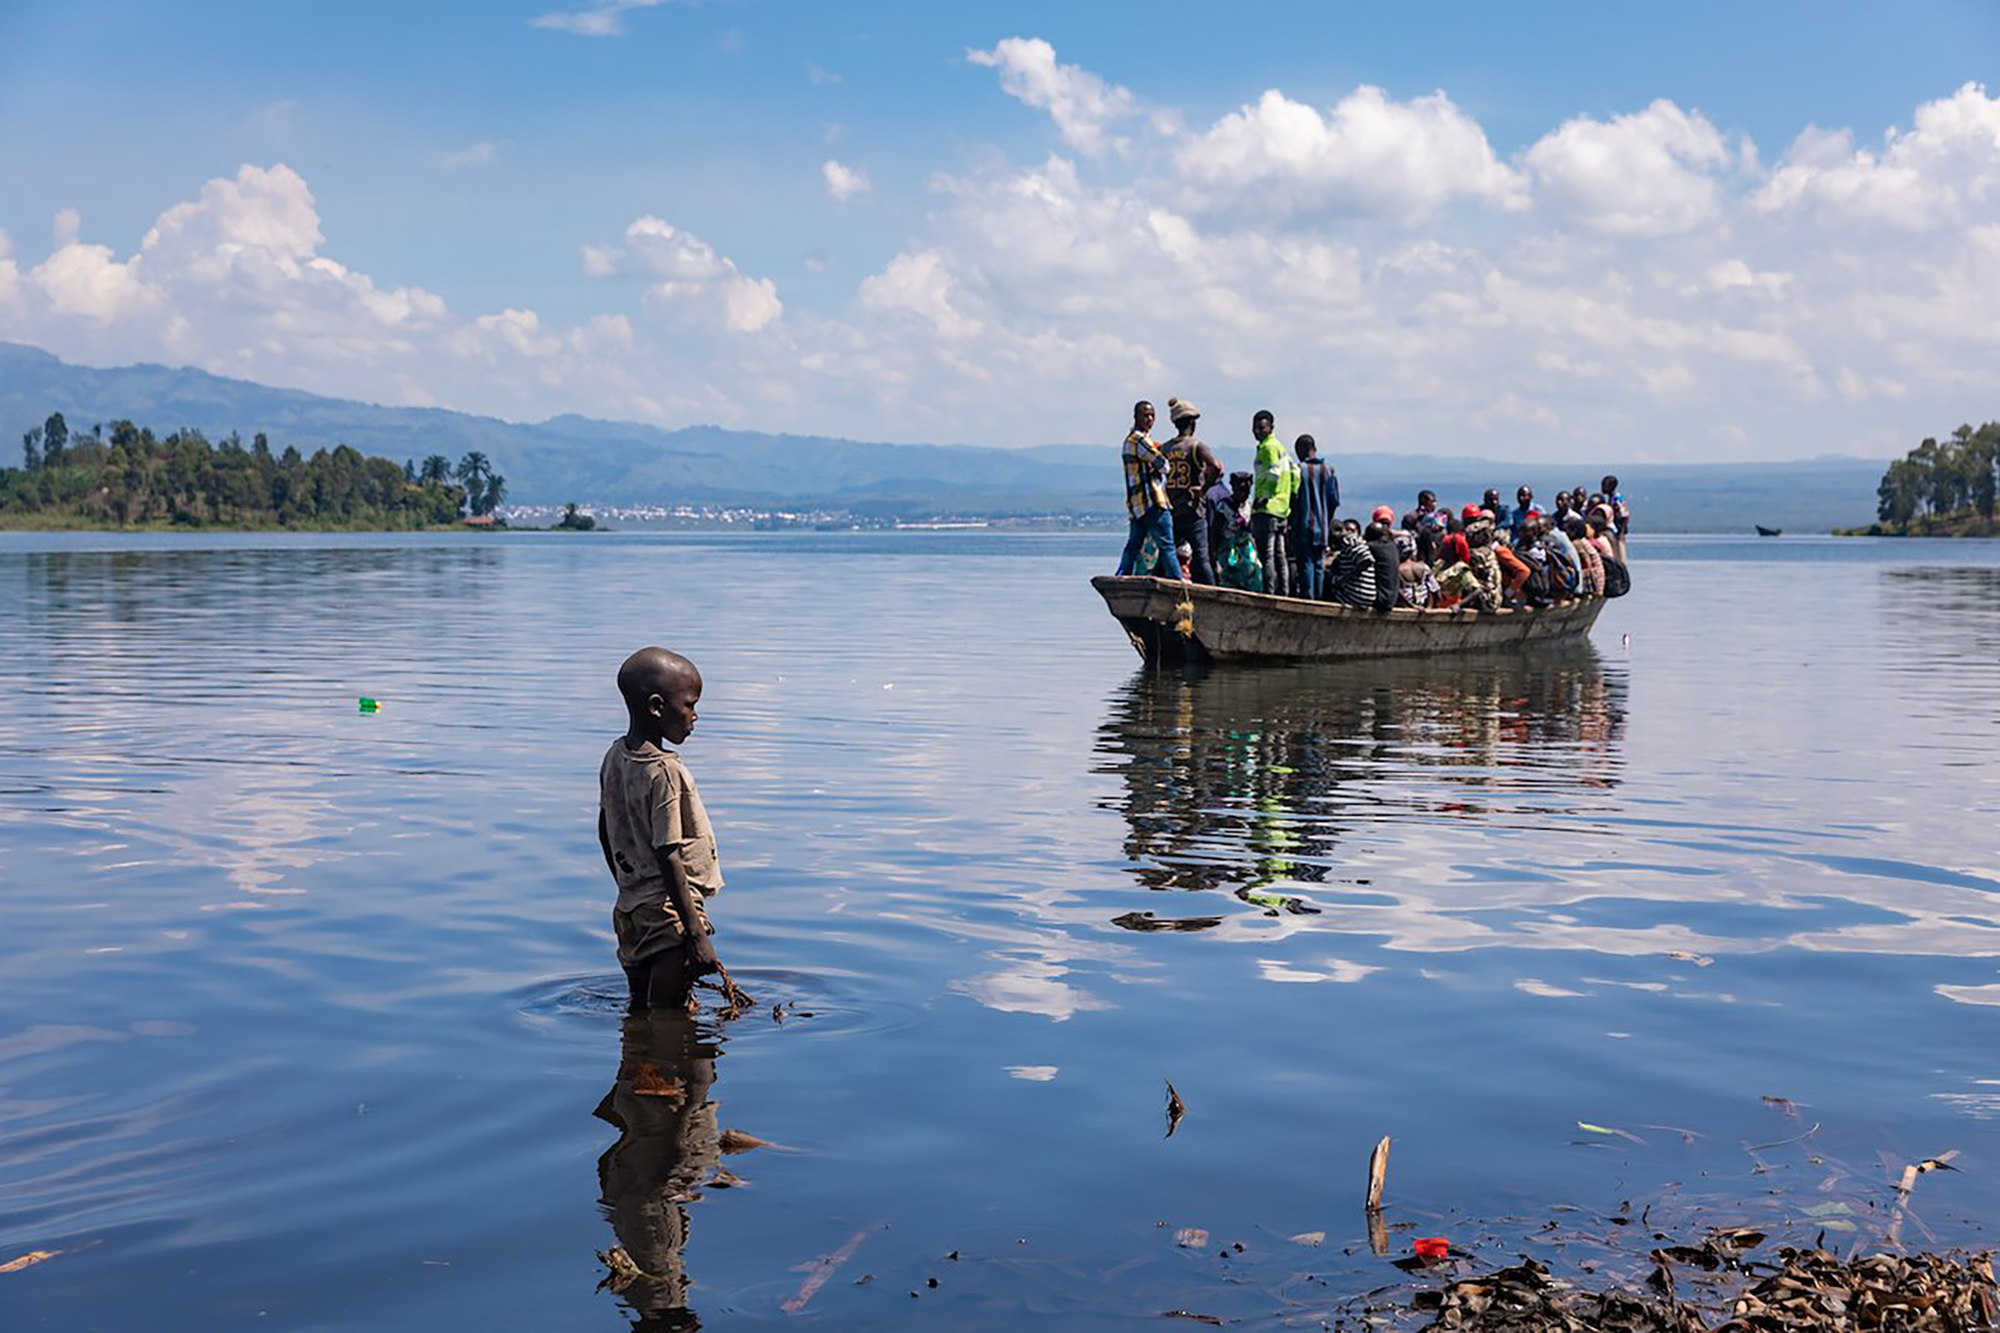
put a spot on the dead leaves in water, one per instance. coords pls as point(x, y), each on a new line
point(1923, 1292)
point(1176, 1108)
point(735, 1140)
point(1811, 1291)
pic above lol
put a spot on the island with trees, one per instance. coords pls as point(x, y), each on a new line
point(125, 476)
point(1941, 488)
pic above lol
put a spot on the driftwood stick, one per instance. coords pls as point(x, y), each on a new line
point(1904, 1187)
point(1378, 1170)
point(824, 1269)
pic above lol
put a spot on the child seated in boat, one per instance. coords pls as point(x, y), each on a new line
point(655, 835)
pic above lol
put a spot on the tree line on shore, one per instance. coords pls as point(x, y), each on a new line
point(1943, 486)
point(127, 476)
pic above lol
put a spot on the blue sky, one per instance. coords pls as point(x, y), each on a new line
point(1529, 227)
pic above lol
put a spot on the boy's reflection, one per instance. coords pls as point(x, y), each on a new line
point(666, 1150)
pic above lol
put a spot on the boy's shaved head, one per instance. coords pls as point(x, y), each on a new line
point(654, 671)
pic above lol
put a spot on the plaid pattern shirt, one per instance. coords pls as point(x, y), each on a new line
point(1145, 475)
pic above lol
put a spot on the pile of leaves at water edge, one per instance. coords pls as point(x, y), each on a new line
point(1810, 1290)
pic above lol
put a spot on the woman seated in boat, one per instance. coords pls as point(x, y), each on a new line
point(1417, 582)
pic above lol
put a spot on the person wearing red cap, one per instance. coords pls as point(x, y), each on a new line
point(1452, 547)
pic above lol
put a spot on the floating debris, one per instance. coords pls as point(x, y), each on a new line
point(825, 1268)
point(735, 1140)
point(1525, 1299)
point(28, 1260)
point(1191, 1238)
point(1589, 1128)
point(1176, 1108)
point(1918, 1293)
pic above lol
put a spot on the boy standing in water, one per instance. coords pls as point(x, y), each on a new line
point(656, 836)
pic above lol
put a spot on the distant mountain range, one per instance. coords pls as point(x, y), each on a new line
point(623, 463)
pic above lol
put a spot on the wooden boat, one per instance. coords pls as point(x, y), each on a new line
point(1172, 623)
point(1763, 531)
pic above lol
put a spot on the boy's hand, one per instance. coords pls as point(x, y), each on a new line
point(700, 954)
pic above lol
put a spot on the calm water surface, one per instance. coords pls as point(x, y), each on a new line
point(309, 1020)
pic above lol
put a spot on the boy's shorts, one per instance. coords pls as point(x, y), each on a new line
point(646, 931)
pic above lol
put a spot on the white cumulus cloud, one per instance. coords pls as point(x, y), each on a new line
point(1651, 173)
point(1085, 108)
point(687, 274)
point(1366, 156)
point(843, 182)
point(1943, 172)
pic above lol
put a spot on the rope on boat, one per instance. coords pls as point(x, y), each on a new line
point(1184, 622)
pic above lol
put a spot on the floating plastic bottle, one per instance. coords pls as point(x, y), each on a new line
point(369, 705)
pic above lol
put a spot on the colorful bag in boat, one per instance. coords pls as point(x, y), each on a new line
point(1617, 578)
point(1240, 566)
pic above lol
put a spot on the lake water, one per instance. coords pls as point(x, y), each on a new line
point(309, 1018)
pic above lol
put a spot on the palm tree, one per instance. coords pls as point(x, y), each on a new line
point(436, 468)
point(496, 492)
point(473, 469)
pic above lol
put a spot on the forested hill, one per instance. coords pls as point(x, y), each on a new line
point(127, 476)
point(600, 462)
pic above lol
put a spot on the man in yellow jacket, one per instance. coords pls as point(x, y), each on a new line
point(1274, 477)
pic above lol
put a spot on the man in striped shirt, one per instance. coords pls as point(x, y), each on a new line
point(1146, 498)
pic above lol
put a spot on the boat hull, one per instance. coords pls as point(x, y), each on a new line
point(1172, 623)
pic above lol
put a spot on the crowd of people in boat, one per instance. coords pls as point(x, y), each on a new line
point(1276, 529)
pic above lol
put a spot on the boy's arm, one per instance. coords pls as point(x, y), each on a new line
point(604, 845)
point(700, 952)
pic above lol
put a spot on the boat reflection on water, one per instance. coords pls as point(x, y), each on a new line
point(665, 1153)
point(1239, 779)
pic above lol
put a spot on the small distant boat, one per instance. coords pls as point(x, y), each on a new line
point(1172, 623)
point(1763, 531)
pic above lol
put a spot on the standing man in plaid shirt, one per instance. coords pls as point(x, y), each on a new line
point(1146, 498)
